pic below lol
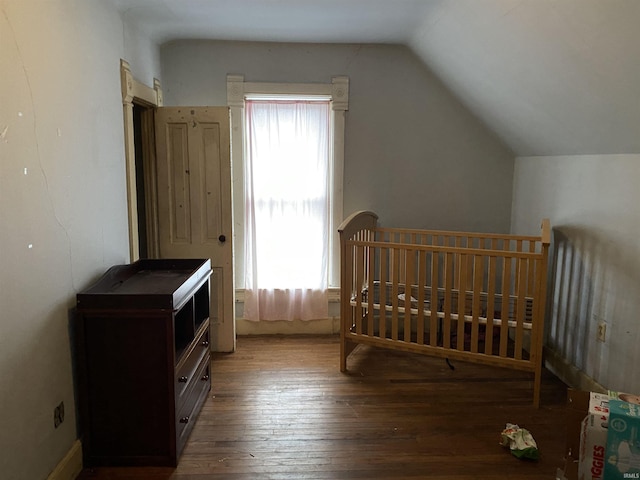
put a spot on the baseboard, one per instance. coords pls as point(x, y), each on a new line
point(70, 466)
point(569, 373)
point(325, 326)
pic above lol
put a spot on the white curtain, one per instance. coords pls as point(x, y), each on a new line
point(286, 209)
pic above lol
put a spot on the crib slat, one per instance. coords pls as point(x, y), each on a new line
point(448, 281)
point(370, 275)
point(531, 276)
point(395, 254)
point(491, 291)
point(462, 301)
point(348, 311)
point(475, 311)
point(520, 306)
point(517, 265)
point(457, 242)
point(401, 261)
point(434, 301)
point(409, 258)
point(422, 282)
point(504, 315)
point(468, 286)
point(384, 258)
point(359, 268)
point(382, 291)
point(537, 315)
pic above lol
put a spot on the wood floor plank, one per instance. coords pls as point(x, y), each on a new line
point(279, 408)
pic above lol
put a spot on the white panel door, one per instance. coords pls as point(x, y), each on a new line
point(194, 202)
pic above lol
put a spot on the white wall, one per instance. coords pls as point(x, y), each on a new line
point(552, 77)
point(592, 202)
point(63, 217)
point(413, 154)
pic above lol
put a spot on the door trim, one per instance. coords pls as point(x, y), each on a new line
point(135, 92)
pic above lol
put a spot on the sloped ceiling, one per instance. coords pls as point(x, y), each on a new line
point(550, 77)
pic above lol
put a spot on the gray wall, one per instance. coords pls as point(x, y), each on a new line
point(63, 213)
point(592, 202)
point(413, 154)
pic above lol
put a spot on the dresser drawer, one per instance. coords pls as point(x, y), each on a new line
point(193, 399)
point(186, 371)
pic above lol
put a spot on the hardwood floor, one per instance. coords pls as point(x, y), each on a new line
point(280, 409)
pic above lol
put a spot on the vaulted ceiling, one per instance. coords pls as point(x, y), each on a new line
point(549, 77)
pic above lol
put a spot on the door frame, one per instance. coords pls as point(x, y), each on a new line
point(137, 93)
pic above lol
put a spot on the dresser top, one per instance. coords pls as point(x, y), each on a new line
point(149, 283)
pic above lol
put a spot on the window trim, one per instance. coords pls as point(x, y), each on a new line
point(338, 92)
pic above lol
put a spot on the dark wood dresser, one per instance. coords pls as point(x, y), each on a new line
point(143, 360)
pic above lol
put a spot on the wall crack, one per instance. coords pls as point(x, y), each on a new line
point(37, 145)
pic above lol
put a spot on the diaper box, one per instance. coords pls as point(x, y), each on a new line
point(593, 438)
point(582, 430)
point(623, 441)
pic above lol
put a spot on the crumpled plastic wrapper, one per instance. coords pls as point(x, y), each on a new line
point(520, 441)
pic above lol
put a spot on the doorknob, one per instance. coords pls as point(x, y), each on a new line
point(222, 238)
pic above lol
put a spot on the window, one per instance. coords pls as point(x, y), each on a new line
point(286, 183)
point(238, 92)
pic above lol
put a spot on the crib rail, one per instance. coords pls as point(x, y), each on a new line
point(470, 296)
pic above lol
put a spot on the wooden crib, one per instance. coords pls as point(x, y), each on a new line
point(468, 296)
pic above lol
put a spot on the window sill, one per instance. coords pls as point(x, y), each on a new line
point(334, 295)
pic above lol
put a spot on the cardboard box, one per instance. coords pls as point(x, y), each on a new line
point(593, 438)
point(587, 415)
point(623, 441)
point(577, 408)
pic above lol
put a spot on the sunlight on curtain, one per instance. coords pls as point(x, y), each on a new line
point(286, 209)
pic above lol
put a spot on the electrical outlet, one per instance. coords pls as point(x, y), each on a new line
point(58, 415)
point(601, 334)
